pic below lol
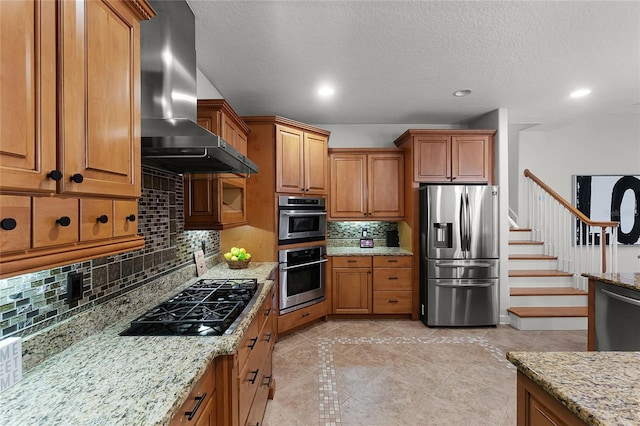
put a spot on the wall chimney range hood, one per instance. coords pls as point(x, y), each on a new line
point(171, 138)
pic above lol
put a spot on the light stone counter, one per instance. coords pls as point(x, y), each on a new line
point(375, 251)
point(621, 279)
point(601, 388)
point(107, 379)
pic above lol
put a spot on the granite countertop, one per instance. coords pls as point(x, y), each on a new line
point(629, 280)
point(374, 251)
point(107, 379)
point(601, 388)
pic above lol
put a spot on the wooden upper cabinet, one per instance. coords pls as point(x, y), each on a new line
point(366, 185)
point(451, 156)
point(100, 131)
point(217, 116)
point(28, 95)
point(301, 161)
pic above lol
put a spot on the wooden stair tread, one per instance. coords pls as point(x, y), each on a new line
point(532, 257)
point(538, 273)
point(519, 229)
point(548, 312)
point(546, 291)
point(525, 243)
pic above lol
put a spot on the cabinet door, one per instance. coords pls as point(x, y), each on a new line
point(200, 202)
point(351, 290)
point(15, 220)
point(432, 161)
point(289, 159)
point(315, 164)
point(28, 95)
point(348, 186)
point(471, 158)
point(386, 185)
point(100, 125)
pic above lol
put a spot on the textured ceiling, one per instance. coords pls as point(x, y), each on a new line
point(395, 62)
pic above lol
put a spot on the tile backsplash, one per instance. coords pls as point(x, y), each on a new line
point(31, 302)
point(353, 230)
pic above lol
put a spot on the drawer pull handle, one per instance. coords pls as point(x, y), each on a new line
point(392, 260)
point(255, 376)
point(64, 221)
point(131, 218)
point(253, 342)
point(268, 384)
point(77, 178)
point(351, 261)
point(393, 301)
point(306, 314)
point(393, 278)
point(55, 175)
point(193, 412)
point(267, 312)
point(8, 224)
point(268, 337)
point(103, 218)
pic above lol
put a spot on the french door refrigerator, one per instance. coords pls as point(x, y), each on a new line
point(459, 255)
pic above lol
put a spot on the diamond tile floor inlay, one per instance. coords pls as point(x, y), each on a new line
point(394, 372)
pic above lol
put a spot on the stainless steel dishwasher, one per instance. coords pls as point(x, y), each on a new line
point(617, 312)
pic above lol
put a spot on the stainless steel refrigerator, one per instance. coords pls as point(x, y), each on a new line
point(459, 255)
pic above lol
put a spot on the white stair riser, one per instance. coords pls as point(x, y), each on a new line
point(548, 300)
point(520, 236)
point(545, 323)
point(526, 249)
point(533, 264)
point(540, 281)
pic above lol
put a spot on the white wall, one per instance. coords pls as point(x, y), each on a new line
point(498, 119)
point(204, 88)
point(372, 135)
point(607, 145)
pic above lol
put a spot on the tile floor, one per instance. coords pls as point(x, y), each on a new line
point(399, 372)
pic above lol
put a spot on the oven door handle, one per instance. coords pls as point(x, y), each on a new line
point(286, 268)
point(309, 213)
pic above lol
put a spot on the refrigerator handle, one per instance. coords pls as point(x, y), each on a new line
point(468, 222)
point(462, 224)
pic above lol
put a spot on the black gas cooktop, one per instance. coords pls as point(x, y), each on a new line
point(209, 307)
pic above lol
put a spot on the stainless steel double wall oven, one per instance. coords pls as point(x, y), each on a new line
point(301, 268)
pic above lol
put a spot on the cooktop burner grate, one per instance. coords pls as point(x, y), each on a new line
point(208, 307)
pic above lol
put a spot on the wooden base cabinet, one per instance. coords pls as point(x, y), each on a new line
point(200, 407)
point(372, 284)
point(537, 408)
point(302, 316)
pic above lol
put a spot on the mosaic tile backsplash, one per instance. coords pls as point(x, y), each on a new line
point(31, 302)
point(348, 234)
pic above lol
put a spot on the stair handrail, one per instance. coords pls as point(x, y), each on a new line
point(577, 213)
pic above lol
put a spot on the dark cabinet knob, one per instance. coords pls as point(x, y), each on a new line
point(55, 175)
point(77, 178)
point(131, 218)
point(64, 221)
point(8, 223)
point(103, 219)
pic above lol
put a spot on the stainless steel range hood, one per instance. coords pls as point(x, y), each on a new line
point(171, 139)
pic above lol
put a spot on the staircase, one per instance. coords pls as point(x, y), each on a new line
point(542, 297)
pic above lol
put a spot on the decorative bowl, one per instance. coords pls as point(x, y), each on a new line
point(237, 264)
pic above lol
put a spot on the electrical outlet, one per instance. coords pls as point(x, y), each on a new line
point(74, 286)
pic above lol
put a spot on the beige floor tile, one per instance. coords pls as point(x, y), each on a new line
point(358, 413)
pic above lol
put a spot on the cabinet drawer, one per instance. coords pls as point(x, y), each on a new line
point(262, 394)
point(203, 396)
point(125, 218)
point(392, 278)
point(391, 302)
point(49, 217)
point(302, 316)
point(392, 261)
point(249, 343)
point(96, 219)
point(351, 261)
point(15, 211)
point(251, 376)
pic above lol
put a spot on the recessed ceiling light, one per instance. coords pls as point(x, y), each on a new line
point(326, 91)
point(580, 93)
point(461, 93)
